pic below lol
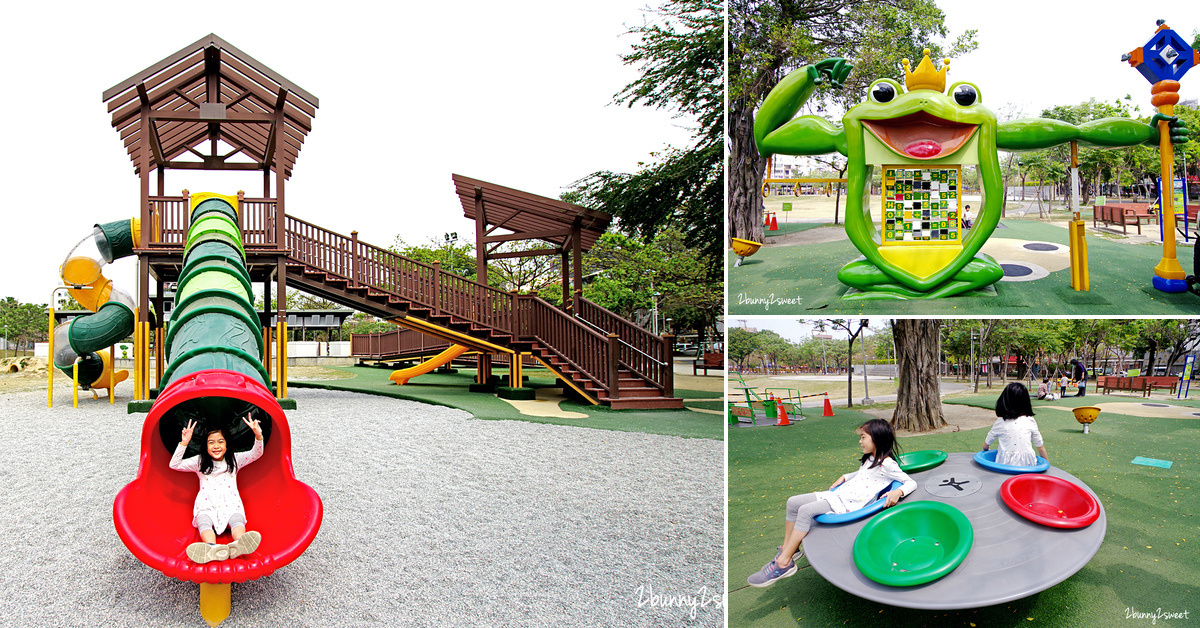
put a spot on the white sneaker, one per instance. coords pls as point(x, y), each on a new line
point(245, 545)
point(201, 553)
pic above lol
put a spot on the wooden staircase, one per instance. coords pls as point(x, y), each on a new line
point(596, 354)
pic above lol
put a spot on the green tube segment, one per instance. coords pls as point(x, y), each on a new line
point(214, 205)
point(109, 325)
point(115, 239)
point(213, 223)
point(214, 325)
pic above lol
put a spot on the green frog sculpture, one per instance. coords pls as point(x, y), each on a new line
point(921, 139)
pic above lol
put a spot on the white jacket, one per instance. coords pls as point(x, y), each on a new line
point(861, 486)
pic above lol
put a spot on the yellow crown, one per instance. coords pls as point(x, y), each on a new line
point(925, 77)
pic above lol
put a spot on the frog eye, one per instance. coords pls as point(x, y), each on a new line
point(965, 95)
point(883, 92)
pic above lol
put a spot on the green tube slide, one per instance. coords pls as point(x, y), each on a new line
point(213, 328)
point(113, 321)
point(214, 325)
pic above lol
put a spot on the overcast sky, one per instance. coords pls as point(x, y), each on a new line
point(797, 330)
point(1037, 54)
point(517, 94)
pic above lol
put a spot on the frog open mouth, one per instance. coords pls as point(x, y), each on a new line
point(921, 135)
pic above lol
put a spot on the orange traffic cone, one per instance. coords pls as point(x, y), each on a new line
point(774, 224)
point(780, 414)
point(828, 406)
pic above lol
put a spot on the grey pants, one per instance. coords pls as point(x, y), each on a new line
point(204, 523)
point(802, 509)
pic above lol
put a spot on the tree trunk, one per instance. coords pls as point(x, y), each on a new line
point(745, 174)
point(850, 374)
point(918, 397)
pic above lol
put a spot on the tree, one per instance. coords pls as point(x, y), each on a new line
point(853, 332)
point(681, 62)
point(918, 395)
point(26, 322)
point(773, 348)
point(768, 38)
point(627, 272)
point(740, 345)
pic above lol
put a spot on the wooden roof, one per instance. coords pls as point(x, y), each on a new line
point(211, 91)
point(529, 215)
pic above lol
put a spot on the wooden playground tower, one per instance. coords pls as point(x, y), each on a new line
point(179, 112)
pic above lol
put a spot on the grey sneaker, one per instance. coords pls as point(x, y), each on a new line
point(205, 553)
point(245, 545)
point(795, 557)
point(770, 573)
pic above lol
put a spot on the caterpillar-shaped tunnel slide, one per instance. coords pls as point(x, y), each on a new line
point(215, 376)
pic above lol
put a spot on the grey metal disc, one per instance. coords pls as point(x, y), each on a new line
point(1011, 557)
point(953, 485)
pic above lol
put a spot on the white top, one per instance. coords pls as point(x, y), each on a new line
point(863, 485)
point(1015, 437)
point(1064, 381)
point(218, 497)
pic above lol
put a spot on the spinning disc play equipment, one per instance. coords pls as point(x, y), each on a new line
point(215, 376)
point(1010, 557)
point(1050, 501)
point(913, 543)
point(744, 249)
point(862, 513)
point(925, 459)
point(987, 459)
point(1086, 415)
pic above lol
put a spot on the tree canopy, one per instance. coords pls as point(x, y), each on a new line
point(769, 38)
point(680, 58)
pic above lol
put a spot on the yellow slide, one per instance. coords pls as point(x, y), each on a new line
point(402, 376)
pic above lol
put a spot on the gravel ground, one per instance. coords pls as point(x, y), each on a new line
point(431, 518)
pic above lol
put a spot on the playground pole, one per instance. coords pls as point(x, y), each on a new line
point(1166, 94)
point(1163, 60)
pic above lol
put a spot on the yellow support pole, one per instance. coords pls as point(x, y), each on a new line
point(112, 355)
point(514, 370)
point(281, 358)
point(158, 356)
point(137, 365)
point(1165, 95)
point(146, 360)
point(50, 359)
point(214, 602)
point(75, 383)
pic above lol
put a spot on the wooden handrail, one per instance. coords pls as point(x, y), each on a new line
point(598, 356)
point(376, 268)
point(591, 353)
point(642, 352)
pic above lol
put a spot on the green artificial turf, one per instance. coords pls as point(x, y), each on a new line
point(451, 390)
point(1091, 399)
point(802, 280)
point(1149, 559)
point(793, 227)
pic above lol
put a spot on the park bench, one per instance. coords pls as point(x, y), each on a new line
point(1143, 384)
point(1125, 215)
point(1187, 225)
point(709, 361)
point(1158, 382)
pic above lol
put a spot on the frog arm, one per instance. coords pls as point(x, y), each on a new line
point(806, 135)
point(1038, 133)
point(774, 129)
